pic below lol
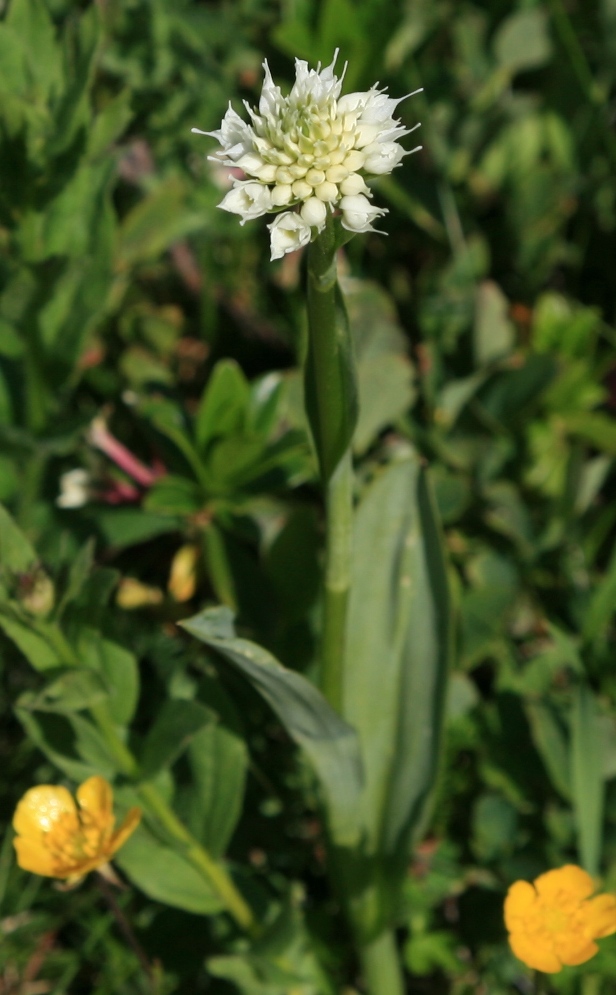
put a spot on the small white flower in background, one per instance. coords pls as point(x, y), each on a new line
point(74, 489)
point(309, 153)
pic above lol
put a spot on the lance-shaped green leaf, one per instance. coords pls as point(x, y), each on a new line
point(587, 777)
point(330, 744)
point(397, 652)
point(16, 554)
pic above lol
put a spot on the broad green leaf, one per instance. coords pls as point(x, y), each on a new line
point(594, 427)
point(522, 40)
point(79, 571)
point(264, 402)
point(385, 373)
point(117, 667)
point(71, 692)
point(30, 20)
point(177, 722)
point(123, 527)
point(587, 783)
point(494, 827)
point(110, 123)
point(165, 875)
point(551, 744)
point(493, 332)
point(72, 744)
point(223, 405)
point(397, 653)
point(72, 112)
point(329, 743)
point(218, 759)
point(161, 218)
point(11, 344)
point(174, 495)
point(120, 671)
point(600, 612)
point(37, 649)
point(16, 554)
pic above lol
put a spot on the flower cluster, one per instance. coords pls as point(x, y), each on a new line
point(60, 839)
point(554, 921)
point(309, 152)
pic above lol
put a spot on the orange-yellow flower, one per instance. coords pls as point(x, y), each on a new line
point(554, 921)
point(60, 839)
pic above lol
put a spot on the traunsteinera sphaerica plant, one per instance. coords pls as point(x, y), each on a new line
point(307, 158)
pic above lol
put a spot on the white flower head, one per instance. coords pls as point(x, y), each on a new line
point(309, 153)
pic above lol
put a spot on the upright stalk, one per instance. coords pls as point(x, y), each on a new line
point(331, 404)
point(338, 552)
point(381, 966)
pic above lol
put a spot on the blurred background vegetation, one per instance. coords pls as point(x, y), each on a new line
point(131, 308)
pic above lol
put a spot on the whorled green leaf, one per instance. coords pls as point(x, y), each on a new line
point(330, 744)
point(165, 875)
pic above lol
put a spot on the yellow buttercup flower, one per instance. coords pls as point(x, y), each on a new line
point(554, 921)
point(59, 838)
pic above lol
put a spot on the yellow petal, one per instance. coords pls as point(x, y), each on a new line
point(534, 953)
point(41, 809)
point(95, 796)
point(35, 857)
point(578, 951)
point(600, 915)
point(520, 899)
point(132, 820)
point(570, 879)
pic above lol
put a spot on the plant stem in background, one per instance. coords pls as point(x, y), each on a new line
point(381, 966)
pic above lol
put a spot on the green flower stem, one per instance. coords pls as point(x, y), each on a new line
point(331, 405)
point(339, 510)
point(212, 871)
point(381, 966)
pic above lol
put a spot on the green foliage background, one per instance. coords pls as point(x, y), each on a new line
point(485, 333)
